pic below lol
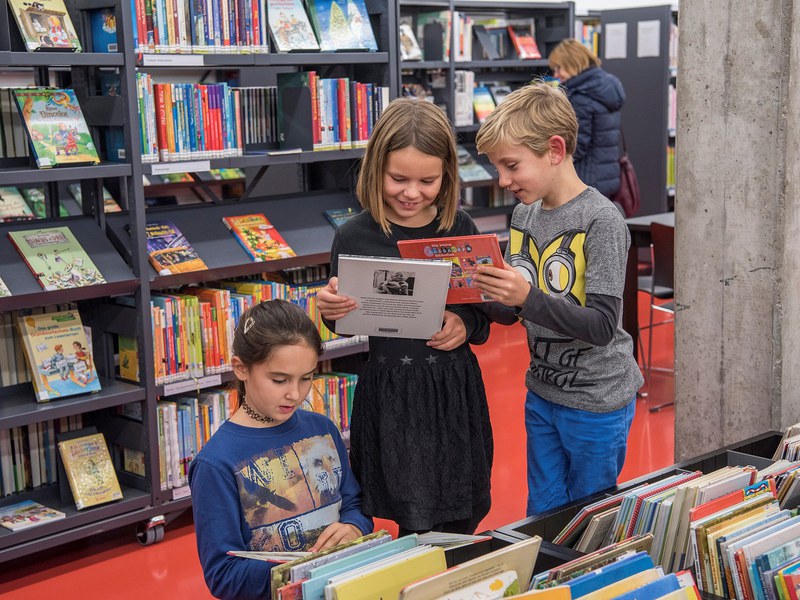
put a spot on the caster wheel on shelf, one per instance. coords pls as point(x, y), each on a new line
point(150, 532)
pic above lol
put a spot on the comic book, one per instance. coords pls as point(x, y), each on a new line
point(56, 129)
point(466, 253)
point(58, 354)
point(45, 25)
point(258, 237)
point(56, 258)
point(169, 251)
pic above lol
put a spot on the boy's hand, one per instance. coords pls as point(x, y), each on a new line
point(332, 306)
point(507, 286)
point(452, 334)
point(335, 534)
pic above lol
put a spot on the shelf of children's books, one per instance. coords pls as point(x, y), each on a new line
point(503, 63)
point(26, 291)
point(61, 59)
point(408, 65)
point(24, 175)
point(19, 407)
point(76, 525)
point(313, 59)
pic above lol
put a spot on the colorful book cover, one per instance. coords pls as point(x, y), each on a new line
point(13, 206)
point(26, 514)
point(56, 258)
point(524, 42)
point(339, 216)
point(342, 25)
point(109, 204)
point(482, 102)
point(169, 251)
point(45, 25)
point(258, 237)
point(4, 291)
point(128, 358)
point(56, 347)
point(90, 471)
point(104, 30)
point(409, 47)
point(465, 253)
point(56, 128)
point(37, 201)
point(289, 26)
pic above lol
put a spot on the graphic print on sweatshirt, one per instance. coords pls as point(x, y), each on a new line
point(290, 494)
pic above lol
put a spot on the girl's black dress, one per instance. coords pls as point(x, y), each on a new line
point(420, 439)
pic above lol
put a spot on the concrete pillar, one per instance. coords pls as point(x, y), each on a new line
point(737, 278)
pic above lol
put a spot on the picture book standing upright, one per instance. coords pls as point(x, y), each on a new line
point(342, 25)
point(56, 347)
point(56, 258)
point(289, 26)
point(56, 129)
point(90, 471)
point(45, 25)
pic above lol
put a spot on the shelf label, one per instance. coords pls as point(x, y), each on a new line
point(172, 60)
point(192, 385)
point(181, 492)
point(192, 166)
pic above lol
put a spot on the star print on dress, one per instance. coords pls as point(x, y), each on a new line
point(431, 359)
point(382, 360)
point(406, 360)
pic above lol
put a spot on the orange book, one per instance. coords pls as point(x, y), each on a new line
point(524, 42)
point(258, 237)
point(466, 253)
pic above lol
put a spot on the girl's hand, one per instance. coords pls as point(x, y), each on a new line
point(452, 335)
point(335, 534)
point(507, 286)
point(332, 306)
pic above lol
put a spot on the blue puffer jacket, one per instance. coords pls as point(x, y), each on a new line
point(597, 98)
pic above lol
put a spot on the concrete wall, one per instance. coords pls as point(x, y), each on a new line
point(737, 332)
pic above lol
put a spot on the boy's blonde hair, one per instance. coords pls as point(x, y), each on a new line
point(573, 56)
point(530, 116)
point(408, 122)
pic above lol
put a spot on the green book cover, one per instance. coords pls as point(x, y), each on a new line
point(56, 258)
point(56, 129)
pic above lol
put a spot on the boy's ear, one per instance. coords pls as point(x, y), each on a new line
point(239, 368)
point(557, 149)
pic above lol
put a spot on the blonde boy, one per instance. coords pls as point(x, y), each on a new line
point(567, 252)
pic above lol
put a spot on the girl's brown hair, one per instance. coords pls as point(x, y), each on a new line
point(573, 56)
point(266, 327)
point(408, 122)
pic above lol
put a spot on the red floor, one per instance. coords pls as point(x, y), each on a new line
point(114, 566)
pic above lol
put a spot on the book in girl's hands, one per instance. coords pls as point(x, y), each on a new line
point(90, 472)
point(258, 237)
point(57, 350)
point(394, 297)
point(56, 129)
point(169, 251)
point(289, 26)
point(45, 25)
point(26, 514)
point(464, 253)
point(13, 206)
point(339, 216)
point(56, 258)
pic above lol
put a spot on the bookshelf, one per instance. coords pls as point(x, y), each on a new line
point(291, 189)
point(440, 71)
point(646, 78)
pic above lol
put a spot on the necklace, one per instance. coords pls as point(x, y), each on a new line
point(253, 414)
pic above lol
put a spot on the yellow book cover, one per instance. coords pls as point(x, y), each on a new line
point(90, 472)
point(559, 592)
point(386, 581)
point(624, 585)
point(258, 237)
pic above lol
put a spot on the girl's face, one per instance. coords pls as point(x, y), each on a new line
point(411, 183)
point(278, 386)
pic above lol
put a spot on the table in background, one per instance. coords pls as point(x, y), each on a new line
point(640, 238)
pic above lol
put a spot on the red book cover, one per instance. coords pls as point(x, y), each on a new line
point(524, 42)
point(466, 253)
point(728, 500)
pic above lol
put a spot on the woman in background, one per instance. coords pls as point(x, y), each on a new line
point(597, 97)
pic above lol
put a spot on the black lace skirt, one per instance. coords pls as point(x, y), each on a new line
point(421, 440)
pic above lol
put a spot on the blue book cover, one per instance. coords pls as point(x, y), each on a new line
point(654, 589)
point(599, 578)
point(104, 30)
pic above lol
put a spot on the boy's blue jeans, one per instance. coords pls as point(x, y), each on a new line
point(572, 453)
